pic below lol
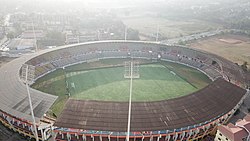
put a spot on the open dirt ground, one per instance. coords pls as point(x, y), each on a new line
point(168, 28)
point(235, 48)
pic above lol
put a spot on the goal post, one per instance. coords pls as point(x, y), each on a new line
point(135, 69)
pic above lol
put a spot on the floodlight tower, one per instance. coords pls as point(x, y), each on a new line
point(28, 74)
point(157, 33)
point(78, 39)
point(32, 19)
point(66, 82)
point(98, 35)
point(130, 101)
point(125, 33)
point(34, 35)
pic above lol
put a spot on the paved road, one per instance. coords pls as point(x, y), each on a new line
point(191, 37)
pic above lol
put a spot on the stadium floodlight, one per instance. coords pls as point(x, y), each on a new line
point(66, 82)
point(130, 99)
point(98, 35)
point(125, 33)
point(34, 35)
point(157, 33)
point(29, 77)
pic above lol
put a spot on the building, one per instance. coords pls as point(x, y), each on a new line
point(71, 38)
point(30, 34)
point(81, 37)
point(22, 44)
point(237, 132)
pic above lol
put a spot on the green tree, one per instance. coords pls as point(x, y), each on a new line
point(58, 37)
point(133, 34)
point(10, 35)
point(244, 66)
point(53, 38)
point(180, 42)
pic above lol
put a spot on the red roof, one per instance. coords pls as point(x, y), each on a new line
point(236, 132)
point(232, 132)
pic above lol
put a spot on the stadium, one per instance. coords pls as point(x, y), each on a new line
point(153, 111)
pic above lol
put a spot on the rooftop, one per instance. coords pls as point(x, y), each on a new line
point(14, 100)
point(236, 132)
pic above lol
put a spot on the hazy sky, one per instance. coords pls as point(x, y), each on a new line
point(108, 3)
point(62, 5)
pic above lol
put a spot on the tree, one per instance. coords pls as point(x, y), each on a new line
point(53, 38)
point(18, 29)
point(244, 66)
point(133, 34)
point(180, 42)
point(58, 37)
point(237, 112)
point(214, 62)
point(1, 21)
point(10, 35)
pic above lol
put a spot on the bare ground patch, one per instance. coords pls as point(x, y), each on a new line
point(235, 48)
point(231, 41)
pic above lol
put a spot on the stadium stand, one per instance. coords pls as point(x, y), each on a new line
point(15, 111)
point(188, 117)
point(160, 118)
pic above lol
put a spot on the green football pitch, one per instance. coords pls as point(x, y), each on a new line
point(158, 81)
point(155, 83)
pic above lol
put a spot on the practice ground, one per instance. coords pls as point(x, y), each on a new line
point(168, 28)
point(158, 81)
point(235, 48)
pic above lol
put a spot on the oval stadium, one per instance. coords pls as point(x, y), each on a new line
point(113, 90)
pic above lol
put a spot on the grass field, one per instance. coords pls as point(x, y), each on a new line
point(169, 28)
point(157, 82)
point(232, 47)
